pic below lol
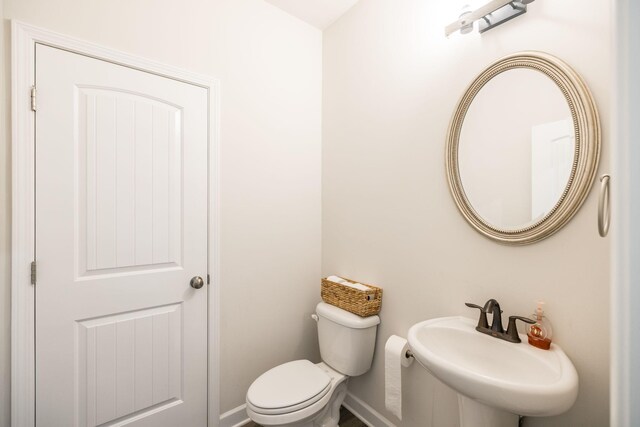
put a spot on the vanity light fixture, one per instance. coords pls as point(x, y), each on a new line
point(488, 16)
point(464, 16)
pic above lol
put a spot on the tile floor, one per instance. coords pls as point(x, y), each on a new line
point(347, 419)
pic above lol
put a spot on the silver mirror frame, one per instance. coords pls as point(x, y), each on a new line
point(586, 158)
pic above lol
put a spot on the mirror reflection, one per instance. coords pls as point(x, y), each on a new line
point(516, 149)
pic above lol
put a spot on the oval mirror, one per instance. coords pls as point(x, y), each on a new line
point(523, 148)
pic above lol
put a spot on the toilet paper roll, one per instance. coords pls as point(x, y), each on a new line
point(395, 357)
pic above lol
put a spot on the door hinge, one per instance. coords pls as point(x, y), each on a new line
point(208, 279)
point(33, 273)
point(33, 98)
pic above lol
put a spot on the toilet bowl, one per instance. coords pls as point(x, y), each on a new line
point(303, 394)
point(312, 396)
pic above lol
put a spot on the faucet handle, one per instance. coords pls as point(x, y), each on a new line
point(512, 330)
point(482, 320)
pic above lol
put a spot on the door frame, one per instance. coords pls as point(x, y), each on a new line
point(625, 249)
point(24, 38)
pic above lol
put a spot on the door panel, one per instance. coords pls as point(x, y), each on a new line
point(129, 362)
point(131, 156)
point(121, 228)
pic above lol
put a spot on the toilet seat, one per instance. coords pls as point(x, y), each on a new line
point(287, 388)
point(307, 411)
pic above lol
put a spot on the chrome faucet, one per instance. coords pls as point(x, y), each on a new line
point(497, 330)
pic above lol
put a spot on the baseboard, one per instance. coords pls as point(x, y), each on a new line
point(365, 413)
point(235, 418)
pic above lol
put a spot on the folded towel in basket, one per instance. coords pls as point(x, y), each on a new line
point(340, 280)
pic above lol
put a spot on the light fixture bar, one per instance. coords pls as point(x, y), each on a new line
point(502, 15)
point(490, 15)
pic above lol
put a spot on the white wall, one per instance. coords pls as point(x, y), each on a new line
point(391, 83)
point(270, 69)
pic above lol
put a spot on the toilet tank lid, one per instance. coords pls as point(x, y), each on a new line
point(344, 318)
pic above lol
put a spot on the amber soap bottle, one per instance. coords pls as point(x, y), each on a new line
point(540, 333)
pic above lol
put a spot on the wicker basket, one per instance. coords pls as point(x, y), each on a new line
point(362, 303)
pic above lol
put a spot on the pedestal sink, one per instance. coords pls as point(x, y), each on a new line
point(497, 381)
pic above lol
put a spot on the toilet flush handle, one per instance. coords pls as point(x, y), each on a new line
point(315, 317)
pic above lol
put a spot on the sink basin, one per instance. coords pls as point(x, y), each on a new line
point(517, 379)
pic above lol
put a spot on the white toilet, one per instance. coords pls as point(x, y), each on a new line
point(303, 394)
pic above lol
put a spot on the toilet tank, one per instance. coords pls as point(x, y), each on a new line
point(346, 340)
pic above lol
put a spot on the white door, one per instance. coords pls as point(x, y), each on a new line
point(121, 229)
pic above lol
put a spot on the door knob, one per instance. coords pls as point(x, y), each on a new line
point(197, 282)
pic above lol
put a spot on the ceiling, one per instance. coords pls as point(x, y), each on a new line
point(319, 13)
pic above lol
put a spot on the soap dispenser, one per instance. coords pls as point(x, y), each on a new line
point(540, 333)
